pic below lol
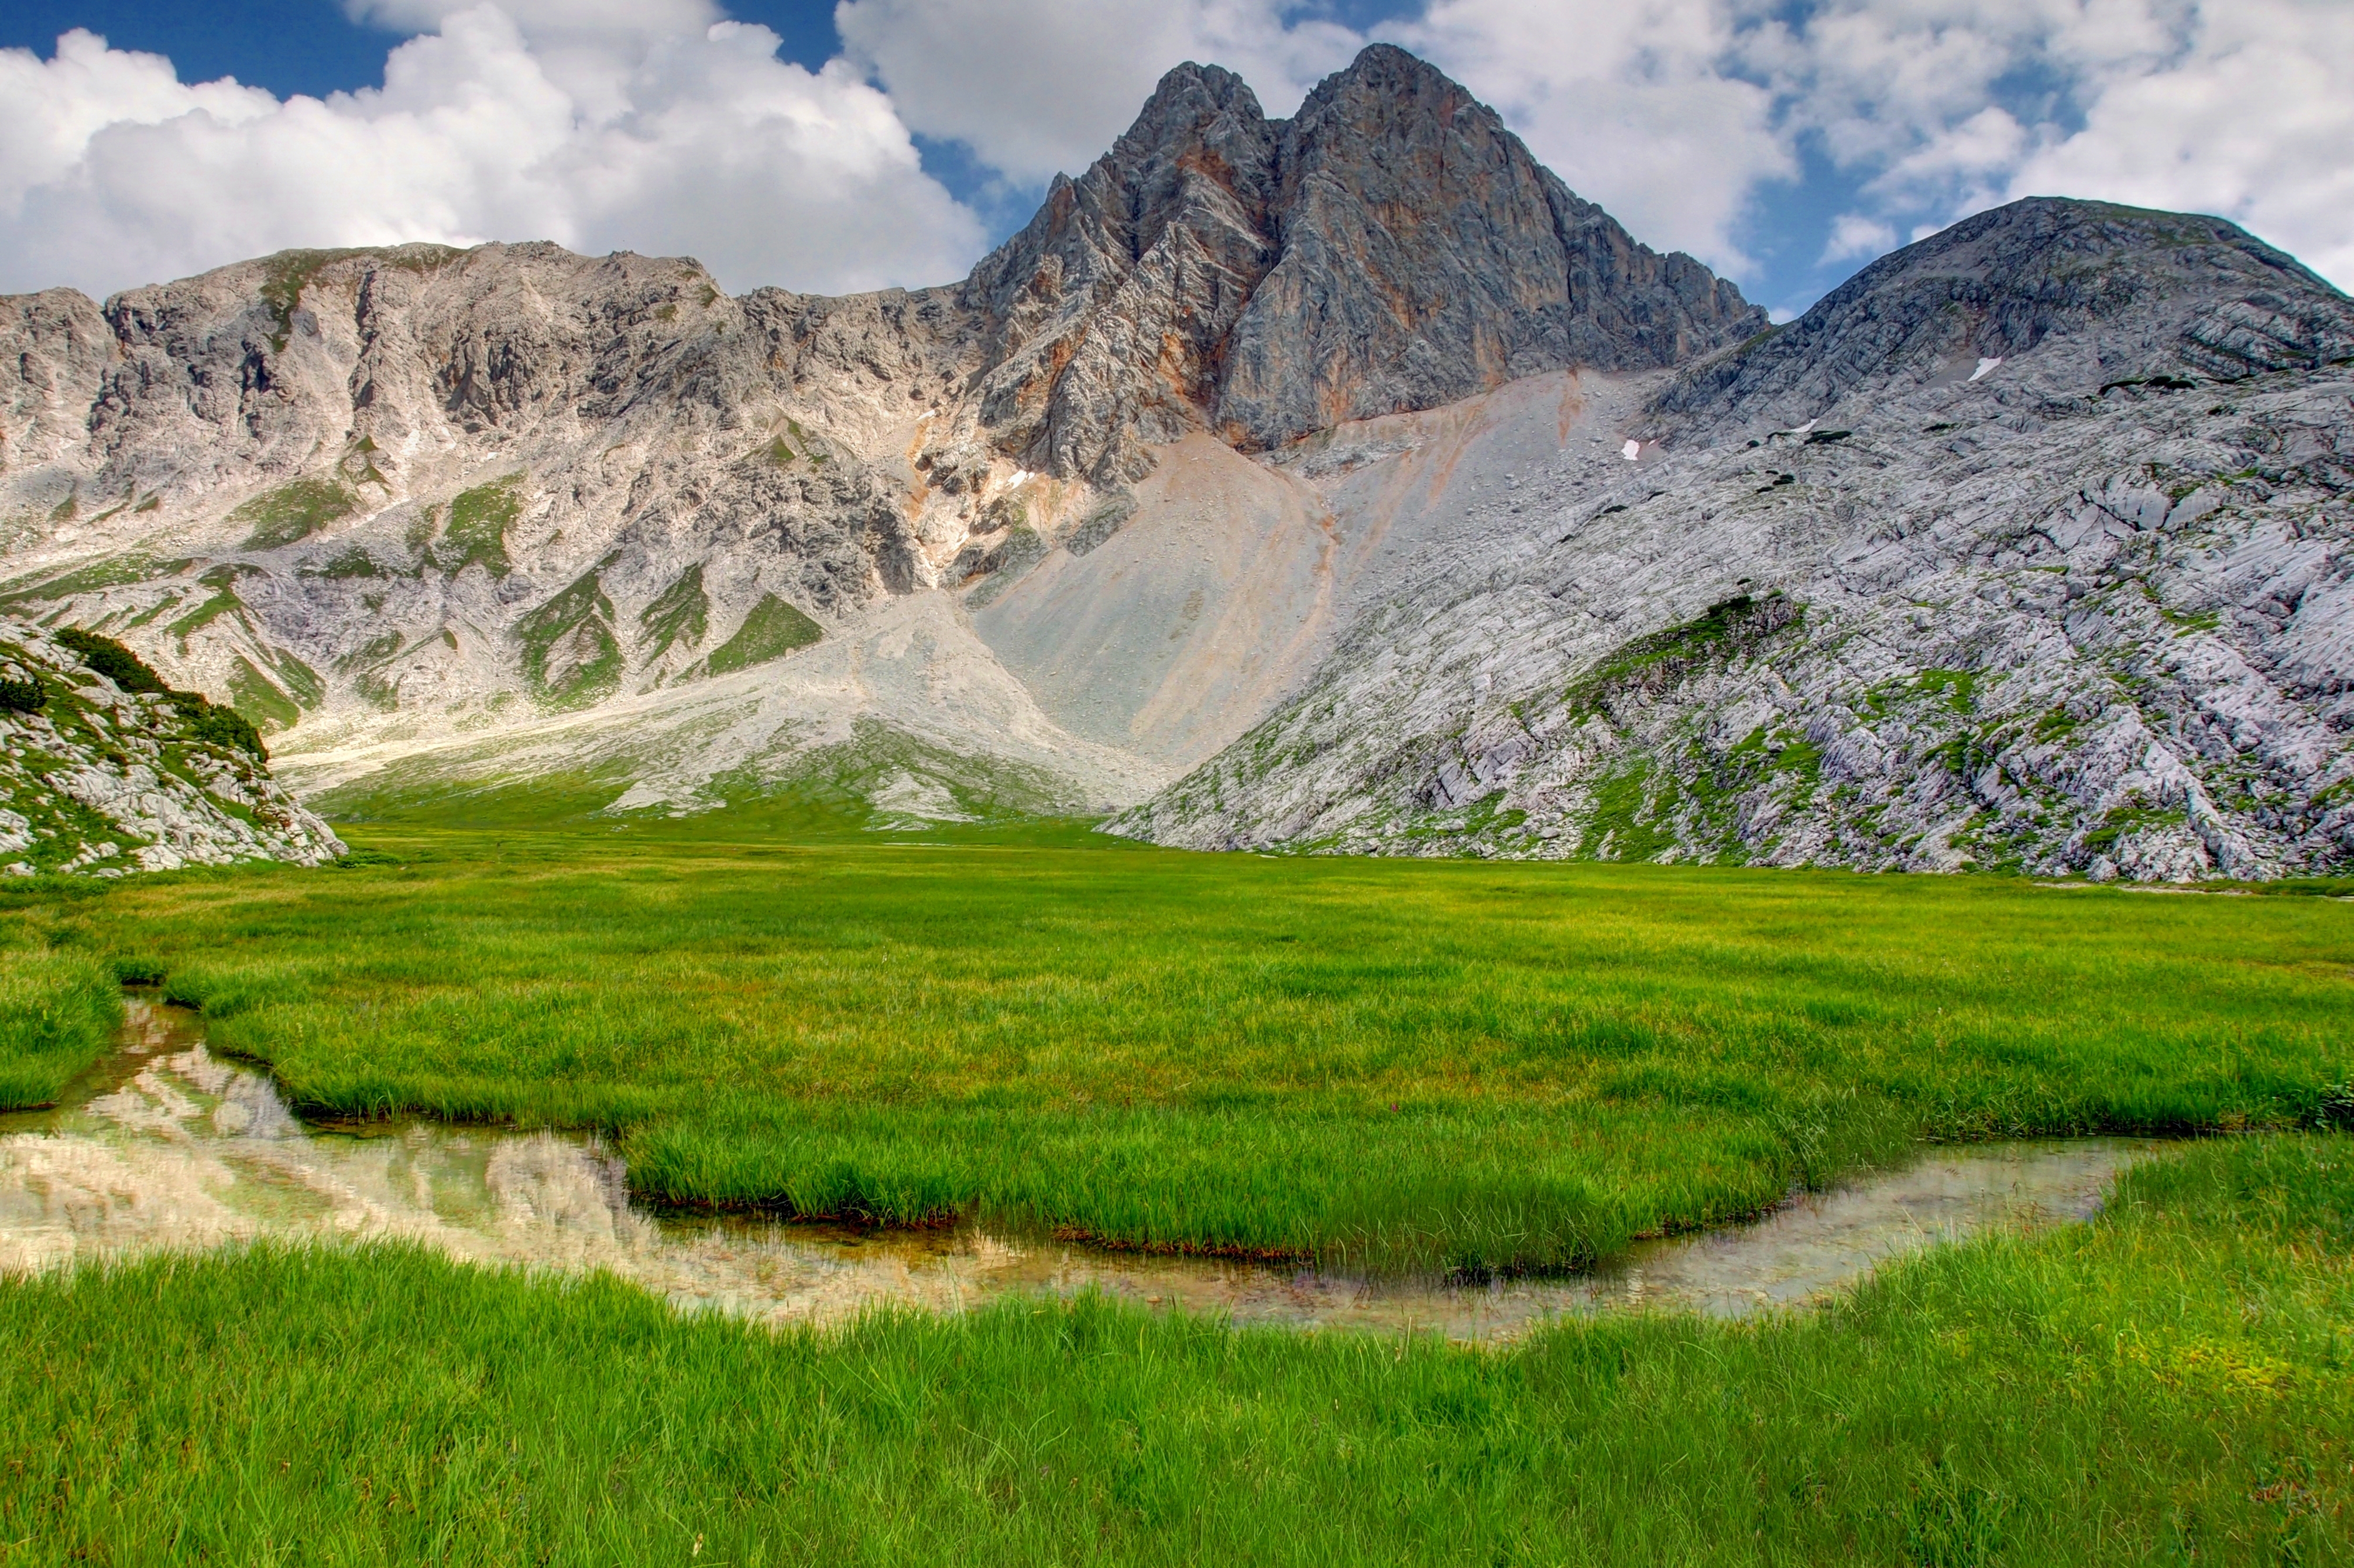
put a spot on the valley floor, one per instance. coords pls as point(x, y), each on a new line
point(1380, 1065)
point(2173, 1383)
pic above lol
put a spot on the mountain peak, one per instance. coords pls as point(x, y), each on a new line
point(1392, 247)
point(2098, 294)
point(1389, 72)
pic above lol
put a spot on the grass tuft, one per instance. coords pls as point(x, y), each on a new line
point(59, 1012)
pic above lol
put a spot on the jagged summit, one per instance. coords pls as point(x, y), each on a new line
point(2120, 293)
point(1390, 248)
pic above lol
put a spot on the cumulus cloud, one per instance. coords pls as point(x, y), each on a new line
point(1942, 108)
point(2253, 121)
point(1854, 236)
point(667, 132)
point(1044, 87)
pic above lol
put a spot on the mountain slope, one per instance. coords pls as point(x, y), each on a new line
point(412, 499)
point(1338, 482)
point(2029, 547)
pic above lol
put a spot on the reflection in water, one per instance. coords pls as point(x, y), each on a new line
point(181, 1151)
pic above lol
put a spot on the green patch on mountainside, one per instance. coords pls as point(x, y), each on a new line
point(258, 698)
point(1732, 629)
point(224, 601)
point(275, 699)
point(294, 512)
point(679, 616)
point(287, 274)
point(570, 656)
point(477, 531)
point(771, 630)
point(113, 571)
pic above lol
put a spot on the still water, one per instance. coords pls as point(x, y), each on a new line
point(166, 1147)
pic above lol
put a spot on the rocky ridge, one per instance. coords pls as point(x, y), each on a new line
point(1341, 482)
point(409, 496)
point(103, 774)
point(2032, 546)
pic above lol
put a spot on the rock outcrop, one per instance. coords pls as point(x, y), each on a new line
point(2099, 295)
point(102, 776)
point(1392, 248)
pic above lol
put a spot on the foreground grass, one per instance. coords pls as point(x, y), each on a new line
point(1388, 1064)
point(59, 1012)
point(2172, 1382)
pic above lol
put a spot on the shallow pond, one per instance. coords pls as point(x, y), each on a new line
point(170, 1147)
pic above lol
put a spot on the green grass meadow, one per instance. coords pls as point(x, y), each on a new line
point(1380, 1063)
point(2171, 1383)
point(1385, 1065)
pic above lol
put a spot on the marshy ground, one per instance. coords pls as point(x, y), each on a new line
point(1391, 1066)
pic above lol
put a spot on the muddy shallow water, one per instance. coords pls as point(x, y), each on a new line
point(166, 1147)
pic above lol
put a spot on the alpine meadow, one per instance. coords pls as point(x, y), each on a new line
point(1334, 867)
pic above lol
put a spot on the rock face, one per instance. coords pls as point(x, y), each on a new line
point(101, 780)
point(1338, 482)
point(2101, 295)
point(1392, 248)
point(2032, 546)
point(404, 495)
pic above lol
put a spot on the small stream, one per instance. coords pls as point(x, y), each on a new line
point(171, 1147)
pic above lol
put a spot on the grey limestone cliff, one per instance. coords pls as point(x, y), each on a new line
point(1392, 246)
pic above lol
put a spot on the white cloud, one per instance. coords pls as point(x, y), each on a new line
point(1045, 87)
point(1857, 238)
point(1878, 78)
point(687, 137)
point(1941, 108)
point(2255, 121)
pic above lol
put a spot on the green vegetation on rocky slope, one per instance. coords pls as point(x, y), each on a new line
point(2169, 1384)
point(104, 769)
point(1396, 1064)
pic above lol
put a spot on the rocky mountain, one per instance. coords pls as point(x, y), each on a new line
point(413, 501)
point(1390, 248)
point(1339, 482)
point(2030, 546)
point(104, 769)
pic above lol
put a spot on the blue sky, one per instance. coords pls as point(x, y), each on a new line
point(1785, 142)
